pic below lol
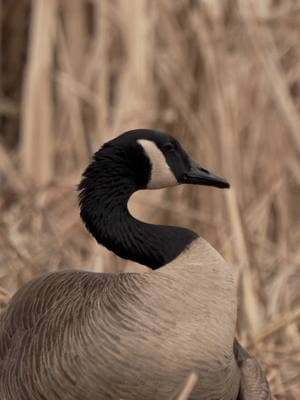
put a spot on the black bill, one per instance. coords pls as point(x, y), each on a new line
point(201, 176)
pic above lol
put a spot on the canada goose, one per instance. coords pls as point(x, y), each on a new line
point(85, 336)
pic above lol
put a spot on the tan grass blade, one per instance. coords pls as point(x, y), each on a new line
point(37, 111)
point(187, 387)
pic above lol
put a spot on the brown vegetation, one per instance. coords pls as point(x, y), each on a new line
point(222, 76)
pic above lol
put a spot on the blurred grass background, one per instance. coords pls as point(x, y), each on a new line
point(223, 77)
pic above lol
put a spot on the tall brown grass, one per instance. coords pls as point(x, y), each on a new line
point(223, 77)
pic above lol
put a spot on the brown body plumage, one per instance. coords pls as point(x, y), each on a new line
point(81, 335)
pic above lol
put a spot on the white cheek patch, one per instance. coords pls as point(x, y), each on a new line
point(161, 174)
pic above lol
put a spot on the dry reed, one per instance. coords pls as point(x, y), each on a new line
point(221, 76)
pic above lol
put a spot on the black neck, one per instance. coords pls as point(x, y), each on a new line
point(105, 191)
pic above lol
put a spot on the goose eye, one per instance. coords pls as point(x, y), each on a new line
point(168, 146)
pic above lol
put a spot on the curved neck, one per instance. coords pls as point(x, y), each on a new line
point(105, 191)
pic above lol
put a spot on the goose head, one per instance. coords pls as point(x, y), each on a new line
point(136, 160)
point(156, 160)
